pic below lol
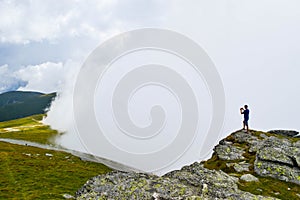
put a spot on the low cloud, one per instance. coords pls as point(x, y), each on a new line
point(61, 116)
point(27, 21)
point(9, 80)
point(46, 77)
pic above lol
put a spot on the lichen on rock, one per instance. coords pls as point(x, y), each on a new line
point(279, 158)
point(229, 152)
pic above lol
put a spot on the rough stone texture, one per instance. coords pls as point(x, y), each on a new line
point(120, 185)
point(282, 143)
point(276, 157)
point(242, 137)
point(255, 146)
point(241, 167)
point(229, 152)
point(191, 182)
point(277, 171)
point(218, 183)
point(288, 133)
point(275, 154)
point(297, 144)
point(254, 142)
point(249, 178)
point(279, 158)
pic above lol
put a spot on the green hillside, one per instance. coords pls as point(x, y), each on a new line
point(28, 172)
point(18, 104)
point(28, 129)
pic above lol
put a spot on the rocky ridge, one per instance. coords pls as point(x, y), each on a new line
point(243, 166)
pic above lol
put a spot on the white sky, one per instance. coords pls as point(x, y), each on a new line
point(255, 46)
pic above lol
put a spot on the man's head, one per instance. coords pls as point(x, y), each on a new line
point(246, 106)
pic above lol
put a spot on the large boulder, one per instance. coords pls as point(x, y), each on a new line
point(279, 158)
point(229, 152)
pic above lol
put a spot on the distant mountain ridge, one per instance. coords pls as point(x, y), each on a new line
point(18, 104)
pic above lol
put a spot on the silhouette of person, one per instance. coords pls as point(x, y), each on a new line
point(245, 111)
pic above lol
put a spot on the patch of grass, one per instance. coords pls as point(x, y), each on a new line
point(28, 128)
point(23, 121)
point(215, 163)
point(27, 173)
point(271, 187)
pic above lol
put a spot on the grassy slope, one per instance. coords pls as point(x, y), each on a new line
point(265, 186)
point(28, 128)
point(27, 173)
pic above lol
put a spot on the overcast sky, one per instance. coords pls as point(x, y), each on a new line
point(255, 46)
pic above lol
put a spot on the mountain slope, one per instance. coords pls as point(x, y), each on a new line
point(18, 104)
point(255, 165)
point(28, 172)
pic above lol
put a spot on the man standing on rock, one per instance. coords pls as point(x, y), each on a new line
point(245, 111)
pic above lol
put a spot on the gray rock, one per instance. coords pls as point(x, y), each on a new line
point(289, 133)
point(242, 137)
point(225, 142)
point(68, 196)
point(241, 167)
point(275, 154)
point(273, 141)
point(264, 136)
point(229, 152)
point(277, 171)
point(218, 183)
point(297, 144)
point(249, 178)
point(191, 182)
point(255, 146)
point(297, 159)
point(124, 185)
point(254, 142)
point(279, 158)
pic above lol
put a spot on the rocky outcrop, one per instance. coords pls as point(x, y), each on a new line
point(279, 158)
point(288, 133)
point(129, 185)
point(239, 162)
point(191, 182)
point(276, 157)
